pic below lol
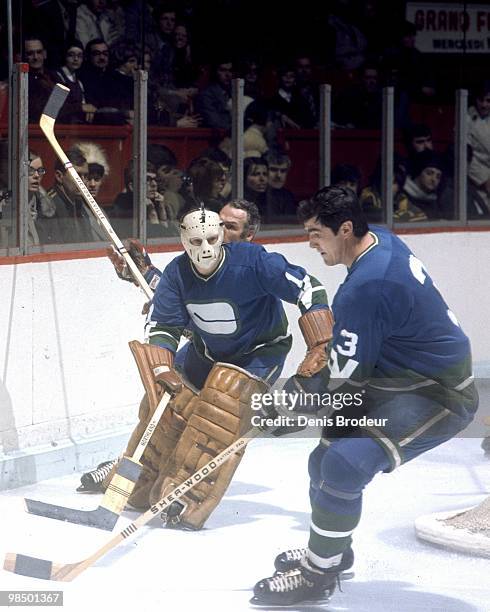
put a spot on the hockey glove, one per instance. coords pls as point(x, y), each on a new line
point(140, 257)
point(156, 371)
point(316, 327)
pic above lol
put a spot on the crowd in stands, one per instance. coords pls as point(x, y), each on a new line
point(94, 48)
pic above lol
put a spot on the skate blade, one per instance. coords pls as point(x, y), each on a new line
point(83, 489)
point(301, 605)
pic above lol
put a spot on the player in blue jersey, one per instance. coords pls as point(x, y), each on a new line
point(229, 297)
point(397, 344)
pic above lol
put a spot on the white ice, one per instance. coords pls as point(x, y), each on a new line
point(264, 512)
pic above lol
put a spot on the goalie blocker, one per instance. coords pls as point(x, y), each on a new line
point(194, 428)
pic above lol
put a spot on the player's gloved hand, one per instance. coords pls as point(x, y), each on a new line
point(155, 365)
point(163, 372)
point(140, 257)
point(316, 327)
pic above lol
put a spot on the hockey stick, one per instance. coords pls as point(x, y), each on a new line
point(117, 493)
point(48, 570)
point(46, 123)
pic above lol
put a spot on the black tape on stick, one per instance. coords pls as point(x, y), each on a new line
point(56, 101)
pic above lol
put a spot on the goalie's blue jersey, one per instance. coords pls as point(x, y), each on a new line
point(392, 327)
point(235, 311)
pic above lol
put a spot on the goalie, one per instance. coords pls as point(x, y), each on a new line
point(229, 296)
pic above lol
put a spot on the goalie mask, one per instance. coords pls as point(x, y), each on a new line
point(201, 233)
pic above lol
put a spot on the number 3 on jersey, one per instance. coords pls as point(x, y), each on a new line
point(349, 346)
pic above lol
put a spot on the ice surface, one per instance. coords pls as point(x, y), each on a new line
point(265, 511)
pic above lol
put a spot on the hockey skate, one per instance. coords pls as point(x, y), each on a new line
point(291, 559)
point(305, 584)
point(91, 482)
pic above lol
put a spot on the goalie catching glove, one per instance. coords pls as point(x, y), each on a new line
point(317, 329)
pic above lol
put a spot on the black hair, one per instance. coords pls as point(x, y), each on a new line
point(332, 206)
point(345, 172)
point(417, 130)
point(276, 156)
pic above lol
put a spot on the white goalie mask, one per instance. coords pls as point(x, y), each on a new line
point(201, 233)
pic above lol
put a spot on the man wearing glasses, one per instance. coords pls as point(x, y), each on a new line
point(101, 84)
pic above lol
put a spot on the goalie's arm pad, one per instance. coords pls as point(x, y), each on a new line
point(317, 329)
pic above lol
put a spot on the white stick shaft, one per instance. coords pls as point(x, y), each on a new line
point(47, 126)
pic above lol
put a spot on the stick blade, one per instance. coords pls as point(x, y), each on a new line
point(56, 101)
point(100, 518)
point(39, 568)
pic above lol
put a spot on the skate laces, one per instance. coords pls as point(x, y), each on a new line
point(289, 581)
point(97, 476)
point(295, 554)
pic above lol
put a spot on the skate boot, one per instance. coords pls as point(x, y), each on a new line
point(486, 446)
point(306, 584)
point(92, 481)
point(291, 559)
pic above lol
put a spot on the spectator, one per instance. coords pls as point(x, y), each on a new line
point(281, 202)
point(68, 75)
point(169, 178)
point(417, 138)
point(255, 175)
point(249, 72)
point(479, 140)
point(307, 90)
point(123, 208)
point(213, 103)
point(291, 110)
point(75, 221)
point(185, 73)
point(256, 120)
point(98, 166)
point(360, 105)
point(346, 175)
point(125, 63)
point(422, 189)
point(207, 180)
point(476, 206)
point(218, 155)
point(41, 209)
point(102, 86)
point(370, 199)
point(41, 83)
point(95, 20)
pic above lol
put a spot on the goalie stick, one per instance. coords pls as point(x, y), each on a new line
point(117, 493)
point(46, 123)
point(48, 570)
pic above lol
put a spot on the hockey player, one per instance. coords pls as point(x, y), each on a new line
point(229, 296)
point(395, 341)
point(241, 222)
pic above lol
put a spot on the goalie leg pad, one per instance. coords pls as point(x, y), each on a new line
point(221, 415)
point(161, 444)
